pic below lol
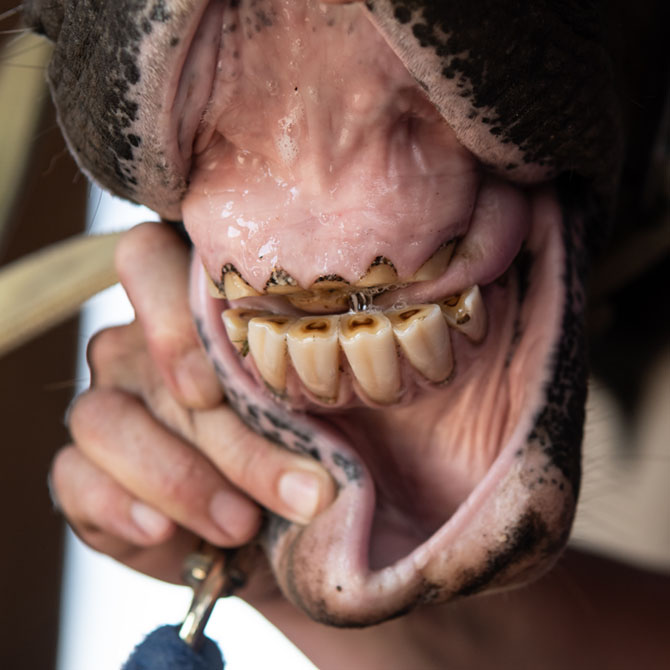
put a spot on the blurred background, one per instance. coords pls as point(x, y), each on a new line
point(625, 508)
point(61, 605)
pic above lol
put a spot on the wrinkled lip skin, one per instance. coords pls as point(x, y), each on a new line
point(501, 513)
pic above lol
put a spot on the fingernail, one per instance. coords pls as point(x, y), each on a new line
point(197, 380)
point(300, 491)
point(237, 517)
point(148, 520)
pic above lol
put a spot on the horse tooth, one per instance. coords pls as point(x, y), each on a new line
point(320, 302)
point(236, 322)
point(329, 293)
point(281, 283)
point(315, 352)
point(381, 272)
point(467, 313)
point(267, 344)
point(212, 287)
point(436, 265)
point(368, 343)
point(235, 287)
point(423, 336)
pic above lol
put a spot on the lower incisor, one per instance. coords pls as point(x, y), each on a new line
point(423, 336)
point(368, 343)
point(315, 354)
point(371, 342)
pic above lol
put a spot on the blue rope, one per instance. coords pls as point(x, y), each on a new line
point(165, 650)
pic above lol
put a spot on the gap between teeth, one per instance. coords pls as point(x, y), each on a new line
point(371, 341)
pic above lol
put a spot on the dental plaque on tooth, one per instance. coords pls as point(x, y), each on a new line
point(231, 286)
point(380, 273)
point(281, 283)
point(466, 313)
point(328, 294)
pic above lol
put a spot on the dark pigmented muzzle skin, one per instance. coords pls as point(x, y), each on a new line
point(526, 86)
point(535, 76)
point(110, 109)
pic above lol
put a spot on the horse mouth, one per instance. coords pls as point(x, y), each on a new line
point(425, 399)
point(409, 337)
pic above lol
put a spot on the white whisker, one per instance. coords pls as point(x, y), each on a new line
point(11, 12)
point(15, 31)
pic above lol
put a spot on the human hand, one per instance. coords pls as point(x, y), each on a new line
point(157, 460)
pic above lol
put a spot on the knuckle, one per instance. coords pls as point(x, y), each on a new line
point(166, 344)
point(101, 503)
point(137, 243)
point(90, 534)
point(61, 466)
point(253, 463)
point(184, 479)
point(102, 349)
point(241, 456)
point(60, 473)
point(72, 492)
point(112, 353)
point(92, 412)
point(77, 412)
point(130, 245)
point(103, 542)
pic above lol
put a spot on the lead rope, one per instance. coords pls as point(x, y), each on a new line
point(212, 573)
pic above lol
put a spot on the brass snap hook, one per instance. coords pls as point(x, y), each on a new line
point(213, 573)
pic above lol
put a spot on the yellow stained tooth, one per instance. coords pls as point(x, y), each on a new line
point(381, 272)
point(235, 287)
point(212, 288)
point(423, 336)
point(267, 344)
point(236, 322)
point(281, 283)
point(320, 302)
point(328, 294)
point(368, 343)
point(436, 265)
point(315, 353)
point(467, 313)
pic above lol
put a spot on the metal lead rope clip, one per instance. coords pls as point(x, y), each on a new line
point(212, 575)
